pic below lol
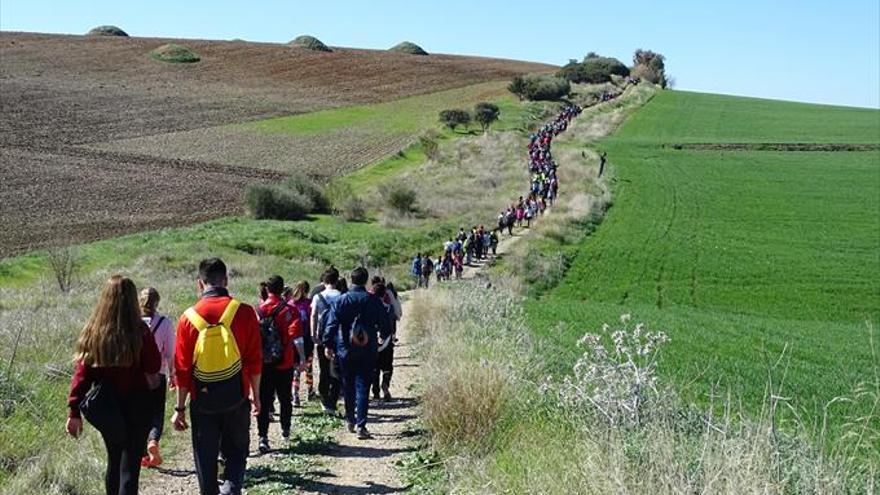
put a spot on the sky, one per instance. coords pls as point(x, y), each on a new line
point(808, 50)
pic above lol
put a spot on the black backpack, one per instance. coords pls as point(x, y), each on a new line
point(273, 350)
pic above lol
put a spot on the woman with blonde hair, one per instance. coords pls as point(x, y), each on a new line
point(163, 333)
point(116, 363)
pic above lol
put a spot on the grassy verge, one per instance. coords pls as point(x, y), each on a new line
point(501, 425)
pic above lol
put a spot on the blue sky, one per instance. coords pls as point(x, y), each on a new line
point(816, 51)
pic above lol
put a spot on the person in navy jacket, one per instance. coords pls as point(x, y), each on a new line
point(356, 357)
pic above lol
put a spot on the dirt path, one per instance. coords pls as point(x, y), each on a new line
point(353, 466)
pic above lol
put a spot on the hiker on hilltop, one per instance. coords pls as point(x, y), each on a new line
point(328, 379)
point(281, 332)
point(218, 362)
point(356, 324)
point(116, 354)
point(163, 333)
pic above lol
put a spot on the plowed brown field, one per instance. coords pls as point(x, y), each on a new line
point(59, 93)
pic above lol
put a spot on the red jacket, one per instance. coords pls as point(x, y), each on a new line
point(245, 328)
point(126, 381)
point(287, 321)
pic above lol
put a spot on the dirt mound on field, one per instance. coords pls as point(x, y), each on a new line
point(408, 47)
point(310, 43)
point(107, 31)
point(175, 54)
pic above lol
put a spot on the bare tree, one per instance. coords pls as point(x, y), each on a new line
point(65, 264)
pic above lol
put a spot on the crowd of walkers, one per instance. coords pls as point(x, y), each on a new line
point(477, 243)
point(228, 361)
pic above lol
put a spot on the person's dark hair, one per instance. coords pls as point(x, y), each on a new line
point(390, 287)
point(377, 280)
point(379, 290)
point(360, 276)
point(264, 291)
point(212, 271)
point(331, 276)
point(275, 284)
point(342, 285)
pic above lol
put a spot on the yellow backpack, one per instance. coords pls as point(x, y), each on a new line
point(216, 362)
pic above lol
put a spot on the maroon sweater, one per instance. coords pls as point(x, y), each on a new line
point(127, 381)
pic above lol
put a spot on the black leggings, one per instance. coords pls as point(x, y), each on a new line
point(385, 364)
point(158, 417)
point(124, 458)
point(275, 382)
point(329, 385)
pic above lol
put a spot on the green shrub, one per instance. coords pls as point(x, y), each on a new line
point(401, 198)
point(176, 54)
point(267, 201)
point(537, 87)
point(485, 114)
point(518, 87)
point(650, 66)
point(353, 209)
point(304, 186)
point(454, 118)
point(593, 70)
point(107, 31)
point(408, 47)
point(310, 43)
point(430, 147)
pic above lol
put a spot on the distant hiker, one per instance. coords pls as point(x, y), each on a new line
point(163, 333)
point(417, 269)
point(493, 242)
point(328, 379)
point(385, 359)
point(117, 361)
point(281, 332)
point(218, 362)
point(458, 265)
point(299, 299)
point(357, 322)
point(427, 271)
point(602, 159)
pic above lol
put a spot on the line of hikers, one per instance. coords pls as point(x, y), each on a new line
point(227, 361)
point(465, 247)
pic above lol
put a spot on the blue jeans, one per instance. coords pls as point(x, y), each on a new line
point(357, 376)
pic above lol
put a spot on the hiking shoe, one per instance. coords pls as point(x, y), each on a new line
point(155, 458)
point(312, 396)
point(376, 395)
point(363, 434)
point(285, 434)
point(264, 445)
point(296, 402)
point(351, 427)
point(387, 396)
